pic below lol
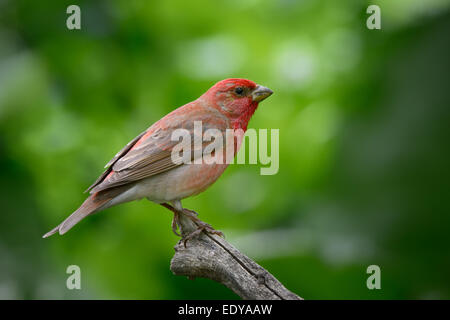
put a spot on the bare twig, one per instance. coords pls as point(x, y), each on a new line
point(210, 256)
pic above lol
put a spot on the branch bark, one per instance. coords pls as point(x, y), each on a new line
point(210, 256)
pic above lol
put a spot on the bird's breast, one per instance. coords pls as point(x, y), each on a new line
point(179, 183)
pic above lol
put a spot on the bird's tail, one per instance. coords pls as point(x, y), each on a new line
point(92, 204)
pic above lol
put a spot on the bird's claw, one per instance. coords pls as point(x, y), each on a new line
point(191, 214)
point(201, 227)
point(175, 224)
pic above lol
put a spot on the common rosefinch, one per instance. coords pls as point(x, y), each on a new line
point(144, 168)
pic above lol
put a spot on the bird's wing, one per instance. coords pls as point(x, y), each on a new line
point(150, 152)
point(118, 155)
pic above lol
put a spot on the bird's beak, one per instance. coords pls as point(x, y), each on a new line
point(260, 93)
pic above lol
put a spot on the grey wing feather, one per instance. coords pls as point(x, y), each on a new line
point(114, 160)
point(124, 150)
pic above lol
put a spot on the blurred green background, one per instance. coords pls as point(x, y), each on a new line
point(364, 125)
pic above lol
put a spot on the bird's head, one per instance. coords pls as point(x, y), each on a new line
point(237, 99)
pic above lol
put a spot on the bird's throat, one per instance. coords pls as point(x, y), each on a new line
point(241, 122)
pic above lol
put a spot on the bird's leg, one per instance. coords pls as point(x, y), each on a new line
point(175, 220)
point(177, 209)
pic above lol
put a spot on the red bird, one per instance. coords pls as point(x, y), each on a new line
point(144, 167)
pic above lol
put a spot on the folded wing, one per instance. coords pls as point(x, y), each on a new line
point(150, 153)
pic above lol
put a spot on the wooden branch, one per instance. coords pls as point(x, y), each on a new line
point(210, 256)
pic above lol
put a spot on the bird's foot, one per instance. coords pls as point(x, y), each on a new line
point(201, 226)
point(204, 227)
point(189, 212)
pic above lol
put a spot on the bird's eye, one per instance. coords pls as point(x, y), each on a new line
point(239, 91)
